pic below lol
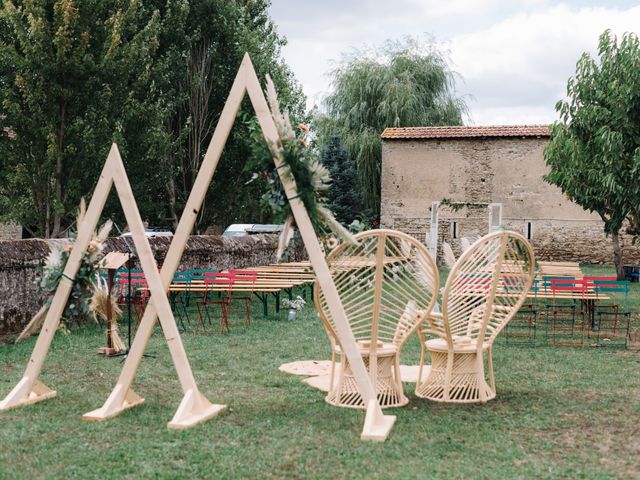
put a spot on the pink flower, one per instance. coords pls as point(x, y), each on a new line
point(92, 246)
point(303, 127)
point(68, 247)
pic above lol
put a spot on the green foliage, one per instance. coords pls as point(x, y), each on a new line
point(219, 32)
point(72, 79)
point(457, 206)
point(299, 162)
point(345, 195)
point(404, 84)
point(84, 283)
point(77, 307)
point(150, 75)
point(594, 152)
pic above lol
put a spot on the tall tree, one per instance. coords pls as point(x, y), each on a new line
point(201, 46)
point(345, 196)
point(68, 71)
point(152, 75)
point(594, 151)
point(403, 84)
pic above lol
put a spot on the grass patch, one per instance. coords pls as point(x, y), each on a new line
point(560, 412)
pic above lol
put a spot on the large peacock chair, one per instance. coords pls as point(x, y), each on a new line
point(388, 284)
point(485, 289)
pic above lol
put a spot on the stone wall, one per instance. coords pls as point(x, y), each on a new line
point(10, 231)
point(20, 263)
point(506, 170)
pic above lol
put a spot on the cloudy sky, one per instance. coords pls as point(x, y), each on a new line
point(514, 56)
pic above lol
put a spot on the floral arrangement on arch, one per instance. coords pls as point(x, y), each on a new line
point(84, 284)
point(302, 163)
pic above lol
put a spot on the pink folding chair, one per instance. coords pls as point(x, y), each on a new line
point(218, 290)
point(247, 279)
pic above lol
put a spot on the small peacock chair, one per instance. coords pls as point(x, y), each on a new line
point(485, 288)
point(388, 284)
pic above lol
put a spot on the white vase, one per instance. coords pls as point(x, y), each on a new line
point(292, 314)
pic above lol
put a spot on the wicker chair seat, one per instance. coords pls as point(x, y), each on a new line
point(461, 344)
point(382, 349)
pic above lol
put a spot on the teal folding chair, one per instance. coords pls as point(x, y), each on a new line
point(611, 316)
point(179, 300)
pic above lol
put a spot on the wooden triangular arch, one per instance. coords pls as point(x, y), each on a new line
point(30, 389)
point(377, 425)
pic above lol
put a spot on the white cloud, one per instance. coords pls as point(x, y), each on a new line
point(520, 66)
point(515, 56)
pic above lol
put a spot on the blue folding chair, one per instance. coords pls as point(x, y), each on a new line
point(611, 316)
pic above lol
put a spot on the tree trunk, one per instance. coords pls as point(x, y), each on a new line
point(171, 191)
point(57, 217)
point(47, 215)
point(617, 255)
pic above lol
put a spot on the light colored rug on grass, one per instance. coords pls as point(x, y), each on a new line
point(307, 368)
point(318, 372)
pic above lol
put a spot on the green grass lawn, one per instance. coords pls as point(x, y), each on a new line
point(559, 413)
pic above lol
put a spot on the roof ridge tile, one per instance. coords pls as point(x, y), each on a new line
point(463, 131)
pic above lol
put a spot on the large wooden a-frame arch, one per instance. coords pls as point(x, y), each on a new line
point(194, 407)
point(30, 389)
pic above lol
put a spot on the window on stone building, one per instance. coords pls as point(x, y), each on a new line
point(454, 229)
point(529, 230)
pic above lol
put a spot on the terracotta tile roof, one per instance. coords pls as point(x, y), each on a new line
point(416, 133)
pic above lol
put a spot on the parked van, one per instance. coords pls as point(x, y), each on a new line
point(246, 229)
point(152, 232)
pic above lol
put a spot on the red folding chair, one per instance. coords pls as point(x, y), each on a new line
point(610, 319)
point(218, 291)
point(247, 279)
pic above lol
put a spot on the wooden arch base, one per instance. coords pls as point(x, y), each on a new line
point(194, 407)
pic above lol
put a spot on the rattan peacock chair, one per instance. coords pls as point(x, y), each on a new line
point(387, 283)
point(485, 289)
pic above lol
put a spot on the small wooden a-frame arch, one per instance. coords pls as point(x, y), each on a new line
point(377, 425)
point(30, 389)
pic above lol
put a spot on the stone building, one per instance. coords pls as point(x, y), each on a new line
point(470, 168)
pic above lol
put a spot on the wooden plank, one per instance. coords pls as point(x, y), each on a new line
point(114, 260)
point(29, 389)
point(377, 425)
point(195, 407)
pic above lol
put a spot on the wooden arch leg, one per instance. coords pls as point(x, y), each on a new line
point(119, 400)
point(376, 425)
point(26, 392)
point(194, 408)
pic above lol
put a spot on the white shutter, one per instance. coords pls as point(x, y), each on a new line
point(433, 235)
point(495, 217)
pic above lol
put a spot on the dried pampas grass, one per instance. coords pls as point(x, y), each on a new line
point(101, 302)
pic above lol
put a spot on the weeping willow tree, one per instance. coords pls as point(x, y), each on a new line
point(401, 84)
